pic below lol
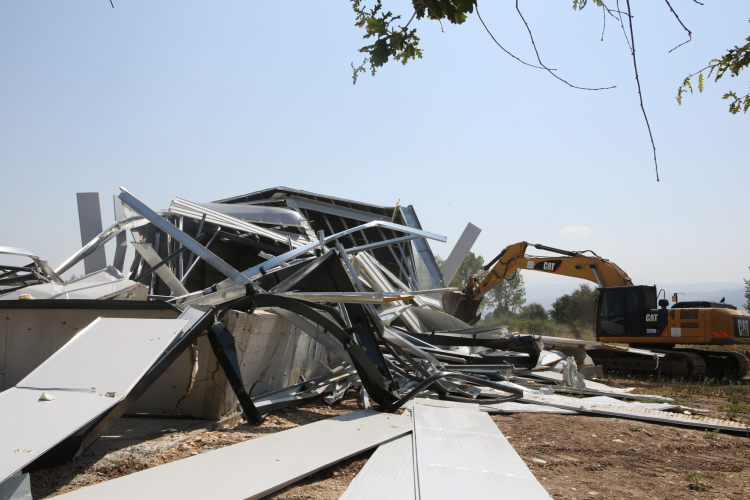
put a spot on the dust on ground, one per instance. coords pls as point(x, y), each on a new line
point(585, 457)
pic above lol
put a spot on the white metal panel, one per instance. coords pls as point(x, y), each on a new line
point(387, 475)
point(256, 467)
point(100, 285)
point(110, 355)
point(29, 427)
point(513, 407)
point(634, 412)
point(90, 221)
point(87, 376)
point(462, 454)
point(459, 252)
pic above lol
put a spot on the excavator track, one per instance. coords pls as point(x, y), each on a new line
point(722, 364)
point(680, 363)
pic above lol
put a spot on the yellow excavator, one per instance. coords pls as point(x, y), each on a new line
point(627, 314)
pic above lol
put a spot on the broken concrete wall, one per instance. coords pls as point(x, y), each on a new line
point(272, 354)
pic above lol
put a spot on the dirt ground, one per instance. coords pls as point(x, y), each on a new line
point(584, 457)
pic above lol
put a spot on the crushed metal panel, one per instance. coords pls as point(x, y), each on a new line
point(105, 284)
point(186, 241)
point(460, 251)
point(349, 297)
point(90, 374)
point(387, 475)
point(462, 454)
point(39, 262)
point(635, 413)
point(596, 386)
point(90, 221)
point(438, 320)
point(513, 407)
point(152, 258)
point(100, 239)
point(256, 467)
point(197, 211)
point(369, 266)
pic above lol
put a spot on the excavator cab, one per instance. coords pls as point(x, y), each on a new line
point(629, 311)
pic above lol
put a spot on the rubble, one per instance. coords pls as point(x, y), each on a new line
point(359, 283)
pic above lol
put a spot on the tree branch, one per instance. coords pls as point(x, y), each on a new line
point(550, 71)
point(640, 95)
point(627, 40)
point(690, 33)
point(476, 7)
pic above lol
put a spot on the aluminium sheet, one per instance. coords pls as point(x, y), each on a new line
point(459, 252)
point(462, 454)
point(104, 284)
point(257, 467)
point(635, 413)
point(90, 222)
point(387, 475)
point(90, 374)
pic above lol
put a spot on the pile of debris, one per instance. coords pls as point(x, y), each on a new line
point(277, 297)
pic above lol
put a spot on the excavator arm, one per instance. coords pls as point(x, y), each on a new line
point(464, 305)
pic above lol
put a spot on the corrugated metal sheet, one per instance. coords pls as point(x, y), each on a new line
point(257, 467)
point(387, 475)
point(108, 356)
point(462, 454)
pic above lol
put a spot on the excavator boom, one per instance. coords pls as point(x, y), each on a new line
point(465, 305)
point(626, 314)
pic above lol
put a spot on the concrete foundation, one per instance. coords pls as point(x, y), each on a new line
point(272, 354)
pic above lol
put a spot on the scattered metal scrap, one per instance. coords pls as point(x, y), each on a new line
point(361, 281)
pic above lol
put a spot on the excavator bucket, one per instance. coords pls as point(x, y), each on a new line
point(458, 305)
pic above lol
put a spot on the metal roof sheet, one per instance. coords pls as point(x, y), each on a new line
point(634, 412)
point(256, 467)
point(29, 427)
point(462, 454)
point(110, 355)
point(387, 475)
point(87, 376)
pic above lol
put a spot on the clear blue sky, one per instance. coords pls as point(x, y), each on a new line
point(205, 100)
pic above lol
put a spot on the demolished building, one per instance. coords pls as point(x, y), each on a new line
point(289, 295)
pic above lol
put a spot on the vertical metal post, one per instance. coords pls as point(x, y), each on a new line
point(153, 276)
point(192, 255)
point(223, 345)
